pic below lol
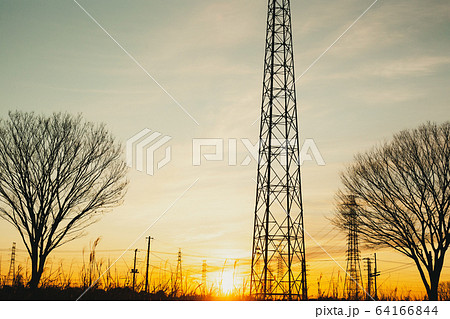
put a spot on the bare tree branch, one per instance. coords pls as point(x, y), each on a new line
point(403, 192)
point(57, 174)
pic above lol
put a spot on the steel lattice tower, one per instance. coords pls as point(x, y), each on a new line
point(278, 225)
point(179, 274)
point(204, 270)
point(352, 285)
point(12, 266)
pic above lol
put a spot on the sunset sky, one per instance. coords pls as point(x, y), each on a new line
point(389, 72)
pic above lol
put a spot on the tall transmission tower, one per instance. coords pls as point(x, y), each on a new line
point(12, 266)
point(278, 224)
point(352, 283)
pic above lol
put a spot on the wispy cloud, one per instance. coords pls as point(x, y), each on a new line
point(412, 66)
point(389, 68)
point(387, 96)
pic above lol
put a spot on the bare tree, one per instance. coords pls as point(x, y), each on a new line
point(403, 195)
point(57, 174)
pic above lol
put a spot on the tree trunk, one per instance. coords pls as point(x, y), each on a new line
point(35, 276)
point(433, 292)
point(37, 268)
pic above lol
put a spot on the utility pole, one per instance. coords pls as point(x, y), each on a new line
point(372, 277)
point(278, 219)
point(149, 238)
point(12, 265)
point(134, 271)
point(369, 278)
point(376, 273)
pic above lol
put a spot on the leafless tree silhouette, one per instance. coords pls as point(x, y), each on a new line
point(403, 194)
point(57, 174)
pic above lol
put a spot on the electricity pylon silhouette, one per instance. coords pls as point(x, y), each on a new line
point(12, 266)
point(278, 225)
point(204, 270)
point(179, 275)
point(352, 284)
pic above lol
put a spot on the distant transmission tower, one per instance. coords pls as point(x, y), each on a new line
point(280, 267)
point(352, 283)
point(204, 269)
point(179, 276)
point(12, 266)
point(278, 224)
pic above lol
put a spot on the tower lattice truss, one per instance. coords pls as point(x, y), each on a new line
point(278, 256)
point(353, 289)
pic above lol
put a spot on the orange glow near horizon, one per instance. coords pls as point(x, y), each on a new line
point(229, 278)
